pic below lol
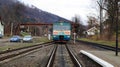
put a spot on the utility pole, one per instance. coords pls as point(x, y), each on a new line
point(101, 17)
point(116, 6)
point(74, 37)
point(11, 29)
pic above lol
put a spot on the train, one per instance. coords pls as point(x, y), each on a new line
point(61, 31)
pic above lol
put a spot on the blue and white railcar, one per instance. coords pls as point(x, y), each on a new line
point(61, 31)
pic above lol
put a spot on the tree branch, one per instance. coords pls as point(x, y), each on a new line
point(101, 6)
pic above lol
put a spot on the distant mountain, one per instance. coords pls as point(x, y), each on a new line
point(30, 14)
point(42, 16)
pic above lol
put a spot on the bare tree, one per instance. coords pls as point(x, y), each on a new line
point(92, 21)
point(110, 7)
point(79, 27)
point(18, 16)
point(11, 16)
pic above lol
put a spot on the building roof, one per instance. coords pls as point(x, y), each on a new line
point(93, 28)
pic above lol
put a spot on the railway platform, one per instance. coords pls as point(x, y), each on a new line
point(108, 56)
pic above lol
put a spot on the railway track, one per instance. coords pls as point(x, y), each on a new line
point(99, 45)
point(5, 55)
point(62, 56)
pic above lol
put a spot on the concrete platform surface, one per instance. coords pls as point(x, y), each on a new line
point(108, 56)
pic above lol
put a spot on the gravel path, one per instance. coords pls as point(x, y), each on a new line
point(106, 55)
point(84, 60)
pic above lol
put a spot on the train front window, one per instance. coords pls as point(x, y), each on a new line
point(56, 27)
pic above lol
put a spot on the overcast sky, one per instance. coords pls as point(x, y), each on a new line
point(66, 8)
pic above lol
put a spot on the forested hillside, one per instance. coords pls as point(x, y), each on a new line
point(13, 12)
point(20, 12)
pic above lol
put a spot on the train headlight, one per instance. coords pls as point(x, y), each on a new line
point(68, 36)
point(54, 36)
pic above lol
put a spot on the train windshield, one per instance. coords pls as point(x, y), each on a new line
point(56, 27)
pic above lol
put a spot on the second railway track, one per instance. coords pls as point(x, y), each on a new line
point(15, 52)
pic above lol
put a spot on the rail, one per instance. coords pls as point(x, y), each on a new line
point(99, 45)
point(51, 58)
point(15, 52)
point(71, 54)
point(73, 57)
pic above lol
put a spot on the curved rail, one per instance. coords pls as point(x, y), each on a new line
point(7, 51)
point(51, 58)
point(15, 52)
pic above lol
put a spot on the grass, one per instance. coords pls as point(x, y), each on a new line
point(10, 45)
point(15, 46)
point(24, 33)
point(109, 43)
point(42, 39)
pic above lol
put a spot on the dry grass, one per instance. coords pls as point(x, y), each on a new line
point(104, 41)
point(14, 45)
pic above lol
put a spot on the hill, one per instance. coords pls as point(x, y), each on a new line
point(25, 13)
point(41, 16)
point(13, 12)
